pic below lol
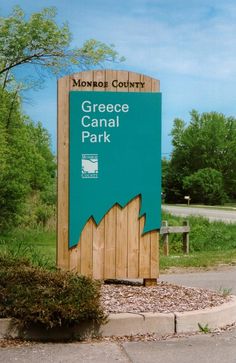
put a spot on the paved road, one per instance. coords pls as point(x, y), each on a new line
point(224, 278)
point(200, 348)
point(217, 348)
point(227, 216)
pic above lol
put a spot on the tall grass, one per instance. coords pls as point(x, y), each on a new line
point(37, 245)
point(211, 243)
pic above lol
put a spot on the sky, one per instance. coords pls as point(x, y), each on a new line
point(189, 45)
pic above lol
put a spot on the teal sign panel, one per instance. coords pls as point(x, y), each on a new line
point(115, 155)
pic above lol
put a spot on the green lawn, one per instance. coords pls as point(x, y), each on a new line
point(198, 259)
point(38, 245)
point(211, 244)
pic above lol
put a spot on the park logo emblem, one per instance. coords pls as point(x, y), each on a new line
point(89, 166)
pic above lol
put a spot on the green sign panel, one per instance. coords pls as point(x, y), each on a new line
point(115, 155)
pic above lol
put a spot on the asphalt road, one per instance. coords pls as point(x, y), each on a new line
point(223, 278)
point(227, 216)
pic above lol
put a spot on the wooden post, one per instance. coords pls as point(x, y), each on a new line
point(165, 240)
point(149, 282)
point(186, 239)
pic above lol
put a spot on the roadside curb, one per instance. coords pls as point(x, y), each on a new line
point(216, 317)
point(126, 324)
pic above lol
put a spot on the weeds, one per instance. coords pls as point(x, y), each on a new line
point(204, 329)
point(224, 291)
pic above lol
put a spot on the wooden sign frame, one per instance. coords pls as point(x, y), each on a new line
point(116, 248)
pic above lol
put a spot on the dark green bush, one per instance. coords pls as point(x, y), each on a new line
point(49, 298)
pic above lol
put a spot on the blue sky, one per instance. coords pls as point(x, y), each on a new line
point(190, 45)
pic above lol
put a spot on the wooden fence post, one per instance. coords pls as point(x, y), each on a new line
point(186, 239)
point(165, 239)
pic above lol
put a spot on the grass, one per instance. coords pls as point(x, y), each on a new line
point(211, 244)
point(198, 259)
point(38, 245)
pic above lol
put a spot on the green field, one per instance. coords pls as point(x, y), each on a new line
point(211, 244)
point(37, 245)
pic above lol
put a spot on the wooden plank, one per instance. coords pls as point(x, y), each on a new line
point(121, 242)
point(133, 215)
point(78, 248)
point(110, 75)
point(186, 238)
point(110, 243)
point(133, 238)
point(99, 76)
point(154, 254)
point(134, 77)
point(165, 239)
point(86, 245)
point(73, 259)
point(144, 251)
point(155, 85)
point(123, 76)
point(148, 83)
point(98, 250)
point(175, 229)
point(82, 76)
point(150, 282)
point(63, 174)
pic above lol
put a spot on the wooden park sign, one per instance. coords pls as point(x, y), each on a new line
point(109, 178)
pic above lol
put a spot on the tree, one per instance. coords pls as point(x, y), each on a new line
point(209, 141)
point(164, 173)
point(205, 186)
point(27, 165)
point(39, 41)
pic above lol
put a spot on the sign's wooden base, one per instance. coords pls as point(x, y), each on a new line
point(150, 282)
point(116, 248)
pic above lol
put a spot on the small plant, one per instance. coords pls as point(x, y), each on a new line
point(225, 291)
point(204, 328)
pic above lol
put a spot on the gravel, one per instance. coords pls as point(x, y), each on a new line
point(163, 298)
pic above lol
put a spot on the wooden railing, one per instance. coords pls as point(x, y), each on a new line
point(166, 230)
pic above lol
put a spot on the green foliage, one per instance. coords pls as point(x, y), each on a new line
point(27, 163)
point(225, 291)
point(37, 245)
point(211, 243)
point(208, 142)
point(49, 298)
point(204, 328)
point(206, 186)
point(204, 235)
point(41, 42)
point(164, 173)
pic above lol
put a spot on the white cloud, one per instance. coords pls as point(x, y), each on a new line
point(202, 44)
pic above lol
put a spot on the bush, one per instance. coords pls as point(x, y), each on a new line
point(205, 186)
point(49, 298)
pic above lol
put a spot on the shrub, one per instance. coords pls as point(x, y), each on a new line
point(49, 298)
point(205, 186)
